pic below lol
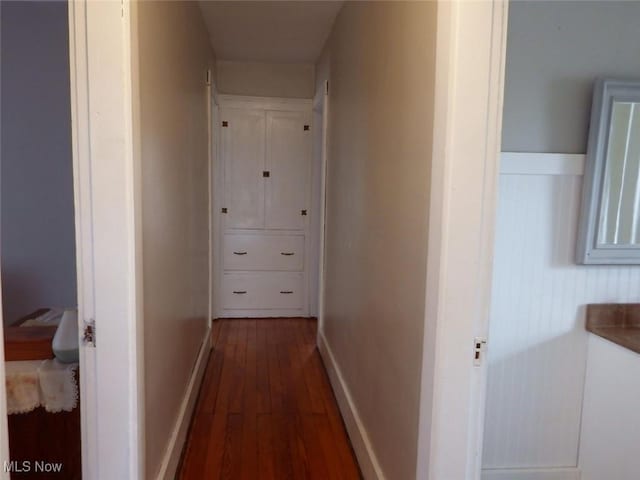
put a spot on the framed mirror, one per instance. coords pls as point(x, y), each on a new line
point(609, 229)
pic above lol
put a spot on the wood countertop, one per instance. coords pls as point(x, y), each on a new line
point(616, 322)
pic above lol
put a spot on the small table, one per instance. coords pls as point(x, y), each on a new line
point(40, 435)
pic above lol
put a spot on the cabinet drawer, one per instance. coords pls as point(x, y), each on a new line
point(263, 252)
point(262, 291)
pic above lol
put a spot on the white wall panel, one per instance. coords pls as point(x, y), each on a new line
point(537, 344)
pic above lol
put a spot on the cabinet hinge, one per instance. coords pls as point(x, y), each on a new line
point(89, 333)
point(303, 212)
point(224, 210)
point(208, 77)
point(479, 349)
point(306, 127)
point(225, 124)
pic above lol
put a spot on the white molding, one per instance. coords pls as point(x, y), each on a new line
point(323, 205)
point(532, 474)
point(469, 81)
point(172, 454)
point(369, 465)
point(528, 163)
point(106, 192)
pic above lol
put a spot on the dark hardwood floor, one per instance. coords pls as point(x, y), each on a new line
point(266, 409)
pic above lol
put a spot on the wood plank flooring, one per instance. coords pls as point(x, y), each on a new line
point(266, 409)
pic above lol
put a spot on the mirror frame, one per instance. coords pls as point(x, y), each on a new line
point(589, 252)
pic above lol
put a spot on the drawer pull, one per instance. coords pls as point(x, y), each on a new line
point(239, 253)
point(239, 292)
point(286, 292)
point(287, 254)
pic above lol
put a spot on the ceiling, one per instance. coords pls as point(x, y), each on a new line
point(268, 31)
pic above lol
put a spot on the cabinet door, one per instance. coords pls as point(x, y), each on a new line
point(288, 155)
point(243, 154)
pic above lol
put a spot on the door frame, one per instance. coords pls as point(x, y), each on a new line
point(470, 62)
point(106, 171)
point(214, 141)
point(321, 107)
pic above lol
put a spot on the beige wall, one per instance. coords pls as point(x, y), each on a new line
point(382, 67)
point(172, 58)
point(291, 80)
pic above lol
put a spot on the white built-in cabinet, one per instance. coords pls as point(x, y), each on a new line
point(261, 208)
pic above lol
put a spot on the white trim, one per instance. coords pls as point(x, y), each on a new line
point(470, 57)
point(83, 234)
point(172, 454)
point(106, 188)
point(214, 225)
point(217, 184)
point(323, 205)
point(532, 474)
point(210, 230)
point(369, 465)
point(516, 163)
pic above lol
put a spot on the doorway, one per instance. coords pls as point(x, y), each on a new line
point(116, 194)
point(38, 245)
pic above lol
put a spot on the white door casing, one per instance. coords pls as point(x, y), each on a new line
point(470, 56)
point(108, 244)
point(323, 203)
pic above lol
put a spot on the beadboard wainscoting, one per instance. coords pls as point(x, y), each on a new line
point(537, 342)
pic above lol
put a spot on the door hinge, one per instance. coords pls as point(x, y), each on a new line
point(479, 350)
point(89, 333)
point(208, 77)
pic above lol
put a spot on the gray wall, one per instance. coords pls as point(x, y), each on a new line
point(36, 180)
point(555, 50)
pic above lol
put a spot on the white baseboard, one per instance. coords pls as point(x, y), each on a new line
point(531, 474)
point(179, 434)
point(357, 433)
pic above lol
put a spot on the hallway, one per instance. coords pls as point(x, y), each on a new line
point(266, 409)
